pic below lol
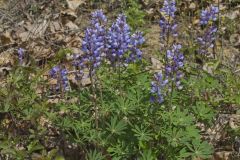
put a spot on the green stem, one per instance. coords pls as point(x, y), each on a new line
point(171, 95)
point(119, 76)
point(93, 87)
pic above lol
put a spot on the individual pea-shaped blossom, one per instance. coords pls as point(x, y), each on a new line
point(158, 88)
point(20, 55)
point(93, 44)
point(167, 24)
point(61, 75)
point(120, 41)
point(209, 14)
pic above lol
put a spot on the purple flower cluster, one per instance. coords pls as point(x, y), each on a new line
point(98, 18)
point(61, 75)
point(113, 44)
point(208, 15)
point(172, 75)
point(120, 41)
point(157, 88)
point(175, 62)
point(20, 55)
point(207, 40)
point(93, 44)
point(169, 8)
point(137, 39)
point(167, 24)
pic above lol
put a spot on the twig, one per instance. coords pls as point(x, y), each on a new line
point(238, 70)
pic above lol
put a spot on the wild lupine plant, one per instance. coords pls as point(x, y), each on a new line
point(108, 125)
point(207, 20)
point(116, 45)
point(174, 59)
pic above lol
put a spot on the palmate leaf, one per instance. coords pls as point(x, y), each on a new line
point(180, 118)
point(94, 155)
point(147, 155)
point(120, 151)
point(192, 132)
point(125, 106)
point(203, 112)
point(6, 148)
point(34, 146)
point(184, 154)
point(116, 127)
point(202, 150)
point(175, 137)
point(198, 149)
point(142, 133)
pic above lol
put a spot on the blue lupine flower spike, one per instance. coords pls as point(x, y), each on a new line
point(167, 22)
point(120, 42)
point(93, 45)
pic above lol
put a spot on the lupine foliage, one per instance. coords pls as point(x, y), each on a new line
point(127, 111)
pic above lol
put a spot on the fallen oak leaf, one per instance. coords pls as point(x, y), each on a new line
point(74, 4)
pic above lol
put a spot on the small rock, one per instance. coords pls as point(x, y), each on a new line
point(86, 81)
point(235, 39)
point(192, 6)
point(223, 155)
point(74, 4)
